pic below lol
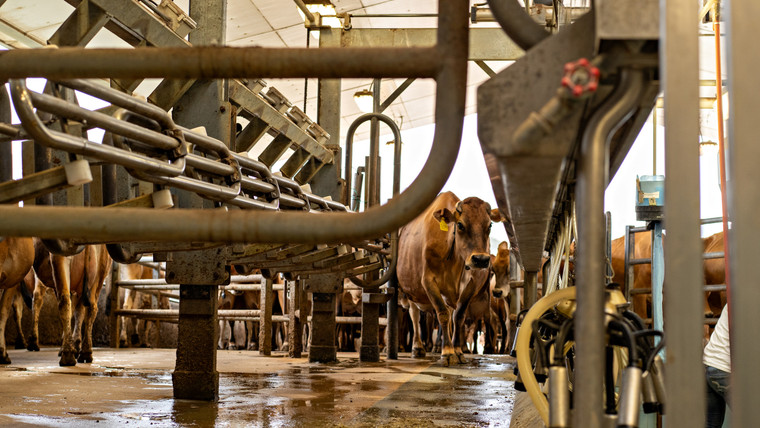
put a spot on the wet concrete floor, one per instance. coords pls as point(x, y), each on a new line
point(133, 387)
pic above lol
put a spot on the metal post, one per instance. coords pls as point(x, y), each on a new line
point(529, 288)
point(658, 275)
point(6, 152)
point(265, 324)
point(592, 181)
point(370, 348)
point(327, 180)
point(630, 244)
point(296, 317)
point(392, 329)
point(113, 297)
point(324, 289)
point(742, 210)
point(679, 74)
point(195, 375)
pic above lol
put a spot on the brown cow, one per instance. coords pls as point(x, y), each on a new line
point(79, 277)
point(491, 306)
point(145, 333)
point(642, 274)
point(16, 257)
point(714, 271)
point(443, 263)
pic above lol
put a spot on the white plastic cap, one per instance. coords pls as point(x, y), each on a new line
point(162, 199)
point(78, 172)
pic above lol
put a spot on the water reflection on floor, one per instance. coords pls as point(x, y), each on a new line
point(266, 392)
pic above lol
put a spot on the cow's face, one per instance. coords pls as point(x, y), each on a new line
point(471, 220)
point(500, 268)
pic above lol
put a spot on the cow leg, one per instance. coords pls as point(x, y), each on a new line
point(62, 278)
point(504, 326)
point(39, 296)
point(5, 308)
point(80, 313)
point(458, 319)
point(418, 348)
point(18, 310)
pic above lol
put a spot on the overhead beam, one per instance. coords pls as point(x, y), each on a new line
point(486, 44)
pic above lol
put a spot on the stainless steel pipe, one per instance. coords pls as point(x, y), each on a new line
point(447, 62)
point(593, 167)
point(220, 62)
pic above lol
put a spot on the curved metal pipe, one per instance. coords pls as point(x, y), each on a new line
point(350, 146)
point(396, 187)
point(593, 168)
point(518, 25)
point(257, 226)
point(6, 149)
point(72, 144)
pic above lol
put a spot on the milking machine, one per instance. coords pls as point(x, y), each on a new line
point(545, 350)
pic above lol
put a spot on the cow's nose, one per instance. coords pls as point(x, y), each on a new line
point(481, 261)
point(497, 293)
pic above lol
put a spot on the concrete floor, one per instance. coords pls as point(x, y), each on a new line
point(133, 387)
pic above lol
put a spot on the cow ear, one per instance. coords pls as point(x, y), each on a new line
point(496, 215)
point(445, 215)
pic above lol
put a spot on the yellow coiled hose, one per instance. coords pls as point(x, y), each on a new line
point(523, 347)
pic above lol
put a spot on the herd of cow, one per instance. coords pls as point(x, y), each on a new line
point(445, 270)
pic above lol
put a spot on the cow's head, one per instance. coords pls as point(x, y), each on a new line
point(471, 221)
point(500, 268)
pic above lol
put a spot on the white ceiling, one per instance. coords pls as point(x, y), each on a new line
point(272, 23)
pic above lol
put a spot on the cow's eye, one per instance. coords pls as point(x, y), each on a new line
point(489, 228)
point(460, 226)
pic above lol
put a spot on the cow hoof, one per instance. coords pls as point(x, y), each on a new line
point(461, 359)
point(135, 339)
point(68, 358)
point(285, 347)
point(5, 359)
point(449, 359)
point(85, 357)
point(418, 352)
point(33, 346)
point(20, 343)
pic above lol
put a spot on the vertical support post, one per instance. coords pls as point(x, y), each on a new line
point(324, 289)
point(658, 276)
point(370, 349)
point(296, 316)
point(113, 297)
point(608, 247)
point(195, 376)
point(265, 317)
point(6, 149)
point(743, 201)
point(529, 288)
point(679, 74)
point(327, 180)
point(392, 327)
point(630, 243)
point(205, 104)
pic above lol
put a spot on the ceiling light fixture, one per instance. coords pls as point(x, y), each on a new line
point(324, 14)
point(364, 100)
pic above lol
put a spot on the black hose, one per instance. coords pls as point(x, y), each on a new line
point(629, 337)
point(559, 341)
point(518, 25)
point(609, 381)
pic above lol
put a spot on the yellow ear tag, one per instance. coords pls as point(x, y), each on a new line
point(444, 226)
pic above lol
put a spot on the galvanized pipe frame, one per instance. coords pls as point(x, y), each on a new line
point(591, 183)
point(446, 62)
